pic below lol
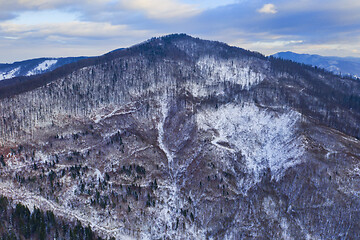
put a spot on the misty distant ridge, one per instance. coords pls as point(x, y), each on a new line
point(33, 66)
point(338, 65)
point(36, 66)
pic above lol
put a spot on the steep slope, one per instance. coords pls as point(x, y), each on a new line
point(338, 65)
point(33, 66)
point(181, 138)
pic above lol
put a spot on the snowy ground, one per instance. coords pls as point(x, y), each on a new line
point(42, 67)
point(264, 138)
point(10, 74)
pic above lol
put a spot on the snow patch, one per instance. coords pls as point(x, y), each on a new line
point(264, 138)
point(230, 70)
point(42, 67)
point(10, 74)
point(99, 118)
point(98, 174)
point(197, 90)
point(109, 112)
point(352, 139)
point(164, 112)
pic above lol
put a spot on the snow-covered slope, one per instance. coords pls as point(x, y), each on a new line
point(182, 138)
point(42, 67)
point(266, 139)
point(10, 73)
point(33, 66)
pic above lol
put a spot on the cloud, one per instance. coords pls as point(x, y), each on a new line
point(162, 9)
point(12, 38)
point(20, 5)
point(209, 4)
point(45, 16)
point(302, 25)
point(76, 38)
point(74, 29)
point(268, 8)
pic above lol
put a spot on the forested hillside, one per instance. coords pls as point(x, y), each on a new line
point(183, 138)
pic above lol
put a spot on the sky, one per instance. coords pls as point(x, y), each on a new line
point(61, 28)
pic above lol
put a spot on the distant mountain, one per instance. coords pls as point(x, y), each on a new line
point(33, 66)
point(337, 65)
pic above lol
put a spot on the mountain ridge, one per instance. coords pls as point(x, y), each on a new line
point(145, 46)
point(346, 66)
point(33, 66)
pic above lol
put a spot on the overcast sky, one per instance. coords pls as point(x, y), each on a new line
point(54, 28)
